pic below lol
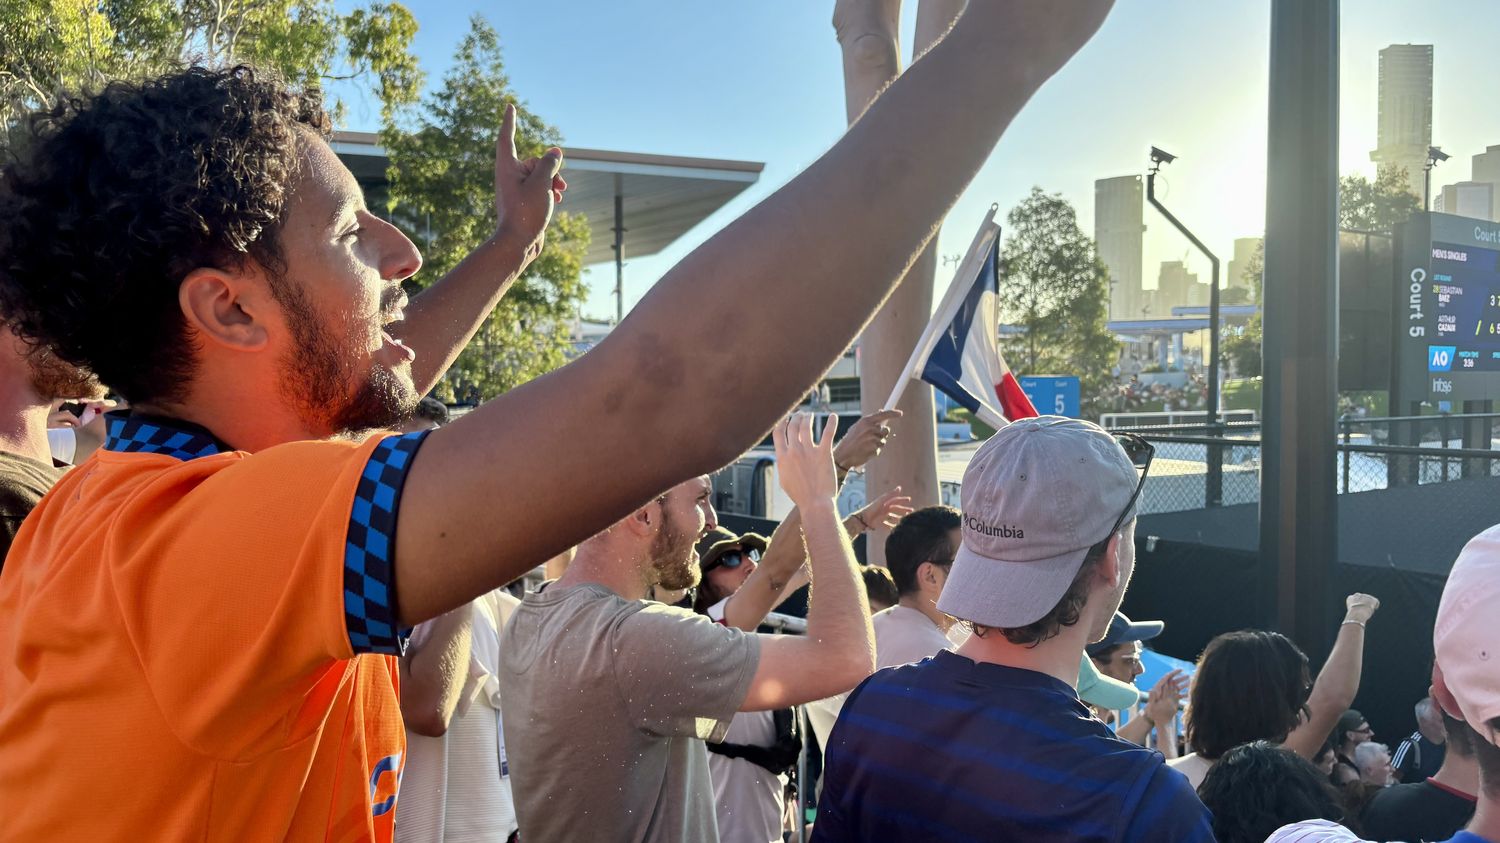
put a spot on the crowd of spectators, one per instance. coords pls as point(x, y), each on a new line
point(216, 631)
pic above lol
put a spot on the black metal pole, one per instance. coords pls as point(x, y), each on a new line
point(619, 252)
point(1299, 473)
point(1214, 482)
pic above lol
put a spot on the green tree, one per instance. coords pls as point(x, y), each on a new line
point(1380, 205)
point(1054, 288)
point(1239, 345)
point(441, 187)
point(1377, 206)
point(54, 45)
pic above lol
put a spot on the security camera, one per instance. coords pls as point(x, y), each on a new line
point(1159, 156)
point(1436, 154)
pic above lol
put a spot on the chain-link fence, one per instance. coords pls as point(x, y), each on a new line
point(1411, 490)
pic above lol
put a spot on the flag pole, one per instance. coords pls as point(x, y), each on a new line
point(975, 258)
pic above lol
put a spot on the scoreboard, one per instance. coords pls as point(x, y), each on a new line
point(1447, 312)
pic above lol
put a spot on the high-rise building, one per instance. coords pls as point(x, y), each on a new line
point(1487, 171)
point(1474, 199)
point(1244, 252)
point(1405, 129)
point(1176, 287)
point(1119, 231)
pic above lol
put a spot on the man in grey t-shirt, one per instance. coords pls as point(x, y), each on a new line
point(615, 695)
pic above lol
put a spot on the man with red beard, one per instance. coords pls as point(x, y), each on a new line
point(31, 380)
point(632, 688)
point(200, 620)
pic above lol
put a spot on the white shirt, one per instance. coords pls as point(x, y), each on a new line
point(456, 787)
point(903, 635)
point(748, 800)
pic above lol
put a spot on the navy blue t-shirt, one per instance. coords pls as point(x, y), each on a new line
point(953, 750)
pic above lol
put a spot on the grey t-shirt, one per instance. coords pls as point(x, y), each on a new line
point(607, 704)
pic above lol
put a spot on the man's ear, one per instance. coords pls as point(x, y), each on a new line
point(643, 521)
point(1442, 696)
point(225, 307)
point(1109, 566)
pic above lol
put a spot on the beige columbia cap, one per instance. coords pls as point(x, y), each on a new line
point(1037, 496)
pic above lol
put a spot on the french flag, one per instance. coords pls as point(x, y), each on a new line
point(959, 352)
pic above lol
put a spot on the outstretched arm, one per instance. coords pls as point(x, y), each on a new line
point(663, 397)
point(838, 650)
point(1338, 681)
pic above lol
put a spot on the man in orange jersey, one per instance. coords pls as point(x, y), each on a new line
point(196, 620)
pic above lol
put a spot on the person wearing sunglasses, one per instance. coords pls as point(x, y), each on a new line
point(744, 577)
point(1047, 550)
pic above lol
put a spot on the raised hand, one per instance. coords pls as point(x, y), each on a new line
point(1165, 697)
point(865, 439)
point(525, 191)
point(885, 511)
point(1360, 607)
point(804, 465)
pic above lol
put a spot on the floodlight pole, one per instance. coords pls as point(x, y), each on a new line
point(1214, 482)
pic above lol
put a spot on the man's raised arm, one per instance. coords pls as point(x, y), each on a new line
point(669, 393)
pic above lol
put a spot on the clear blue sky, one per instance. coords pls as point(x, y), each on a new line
point(762, 81)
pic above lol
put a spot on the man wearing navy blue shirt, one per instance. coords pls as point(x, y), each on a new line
point(991, 742)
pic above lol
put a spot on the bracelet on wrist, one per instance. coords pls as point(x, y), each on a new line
point(864, 526)
point(1360, 624)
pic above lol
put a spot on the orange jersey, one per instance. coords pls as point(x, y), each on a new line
point(194, 644)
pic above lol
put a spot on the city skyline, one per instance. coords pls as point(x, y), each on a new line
point(763, 82)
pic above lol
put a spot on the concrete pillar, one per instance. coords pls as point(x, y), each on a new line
point(868, 35)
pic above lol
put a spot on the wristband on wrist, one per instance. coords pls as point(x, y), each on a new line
point(1361, 624)
point(863, 524)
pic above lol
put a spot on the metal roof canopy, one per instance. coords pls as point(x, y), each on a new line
point(1157, 327)
point(641, 203)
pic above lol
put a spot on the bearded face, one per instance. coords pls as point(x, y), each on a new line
point(674, 554)
point(335, 388)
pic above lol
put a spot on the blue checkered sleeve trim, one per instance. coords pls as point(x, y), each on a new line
point(369, 564)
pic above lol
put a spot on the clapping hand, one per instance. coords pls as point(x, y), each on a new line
point(1165, 697)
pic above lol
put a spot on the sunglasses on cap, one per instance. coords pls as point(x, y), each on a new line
point(734, 558)
point(1141, 453)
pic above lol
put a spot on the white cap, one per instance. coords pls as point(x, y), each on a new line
point(1037, 496)
point(1314, 831)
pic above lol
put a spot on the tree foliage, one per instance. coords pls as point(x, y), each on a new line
point(1377, 206)
point(442, 191)
point(1055, 290)
point(55, 45)
point(1239, 345)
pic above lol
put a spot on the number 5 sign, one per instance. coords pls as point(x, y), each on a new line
point(1056, 395)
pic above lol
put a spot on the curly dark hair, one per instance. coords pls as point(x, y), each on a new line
point(112, 198)
point(1258, 787)
point(1250, 685)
